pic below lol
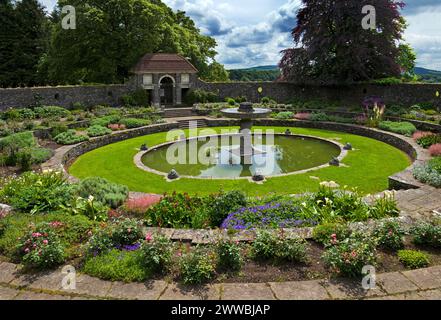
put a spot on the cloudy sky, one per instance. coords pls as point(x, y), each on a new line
point(252, 33)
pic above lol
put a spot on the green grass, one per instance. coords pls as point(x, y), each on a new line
point(367, 168)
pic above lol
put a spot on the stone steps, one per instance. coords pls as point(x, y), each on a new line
point(185, 124)
point(178, 113)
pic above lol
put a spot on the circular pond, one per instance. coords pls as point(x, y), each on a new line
point(218, 156)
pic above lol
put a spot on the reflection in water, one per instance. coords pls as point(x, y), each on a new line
point(284, 154)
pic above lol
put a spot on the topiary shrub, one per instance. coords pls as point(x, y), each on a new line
point(51, 112)
point(104, 191)
point(413, 259)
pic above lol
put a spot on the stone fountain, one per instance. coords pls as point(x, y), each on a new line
point(246, 113)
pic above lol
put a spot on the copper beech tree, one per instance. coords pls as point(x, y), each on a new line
point(332, 46)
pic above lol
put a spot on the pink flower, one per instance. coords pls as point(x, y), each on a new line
point(435, 150)
point(354, 254)
point(36, 234)
point(148, 237)
point(140, 205)
point(45, 241)
point(421, 134)
point(179, 254)
point(27, 250)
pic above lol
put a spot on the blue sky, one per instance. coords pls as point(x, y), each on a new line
point(251, 33)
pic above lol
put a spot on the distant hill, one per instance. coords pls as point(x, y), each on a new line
point(260, 73)
point(423, 71)
point(427, 75)
point(271, 73)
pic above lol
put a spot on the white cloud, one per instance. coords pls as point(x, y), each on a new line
point(251, 32)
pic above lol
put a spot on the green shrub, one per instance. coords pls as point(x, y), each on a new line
point(51, 112)
point(70, 137)
point(330, 233)
point(58, 128)
point(426, 174)
point(318, 116)
point(101, 241)
point(427, 234)
point(230, 101)
point(220, 205)
point(94, 210)
point(413, 259)
point(435, 164)
point(178, 211)
point(240, 99)
point(138, 98)
point(26, 114)
point(196, 267)
point(40, 248)
point(285, 115)
point(78, 106)
point(97, 131)
point(404, 128)
point(201, 96)
point(131, 123)
point(157, 252)
point(105, 121)
point(70, 230)
point(269, 246)
point(390, 235)
point(104, 191)
point(117, 265)
point(16, 141)
point(350, 256)
point(385, 206)
point(429, 140)
point(229, 256)
point(36, 193)
point(127, 232)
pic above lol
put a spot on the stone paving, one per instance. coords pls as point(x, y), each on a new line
point(424, 284)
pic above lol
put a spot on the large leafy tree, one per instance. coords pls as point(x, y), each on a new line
point(332, 47)
point(111, 36)
point(24, 36)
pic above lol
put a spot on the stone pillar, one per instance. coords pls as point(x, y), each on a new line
point(156, 96)
point(178, 94)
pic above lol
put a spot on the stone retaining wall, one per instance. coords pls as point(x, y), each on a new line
point(63, 96)
point(403, 94)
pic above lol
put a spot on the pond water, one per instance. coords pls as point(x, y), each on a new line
point(273, 156)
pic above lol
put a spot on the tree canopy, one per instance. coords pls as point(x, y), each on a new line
point(24, 37)
point(112, 35)
point(331, 46)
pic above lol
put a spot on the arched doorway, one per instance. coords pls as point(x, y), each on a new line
point(167, 84)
